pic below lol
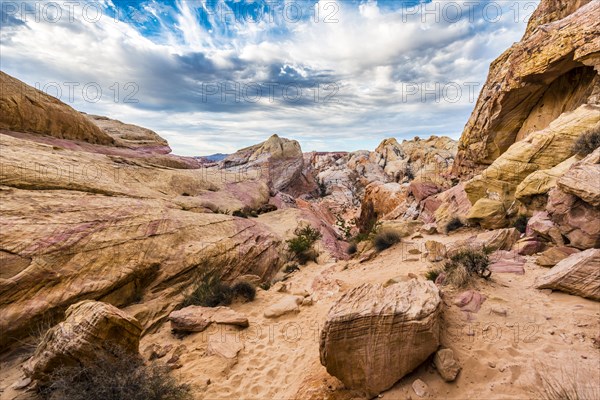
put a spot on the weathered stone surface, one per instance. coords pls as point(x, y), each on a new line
point(436, 251)
point(533, 190)
point(500, 239)
point(575, 218)
point(541, 225)
point(277, 160)
point(420, 388)
point(422, 190)
point(375, 335)
point(90, 330)
point(197, 319)
point(452, 203)
point(493, 191)
point(132, 136)
point(529, 246)
point(583, 179)
point(503, 261)
point(286, 305)
point(469, 301)
point(25, 109)
point(578, 274)
point(554, 255)
point(221, 347)
point(488, 213)
point(446, 364)
point(545, 75)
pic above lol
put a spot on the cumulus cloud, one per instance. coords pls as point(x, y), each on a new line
point(217, 75)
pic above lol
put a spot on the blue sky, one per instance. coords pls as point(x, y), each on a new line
point(217, 75)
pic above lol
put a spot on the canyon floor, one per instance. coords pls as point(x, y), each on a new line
point(544, 334)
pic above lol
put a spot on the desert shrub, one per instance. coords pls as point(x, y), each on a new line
point(244, 290)
point(301, 245)
point(352, 248)
point(291, 268)
point(587, 142)
point(265, 285)
point(432, 274)
point(209, 291)
point(240, 214)
point(386, 239)
point(520, 223)
point(454, 224)
point(117, 377)
point(465, 264)
point(566, 384)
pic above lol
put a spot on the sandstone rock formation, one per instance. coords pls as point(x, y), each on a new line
point(554, 255)
point(90, 330)
point(131, 136)
point(25, 109)
point(85, 221)
point(576, 219)
point(583, 179)
point(287, 304)
point(375, 335)
point(197, 319)
point(277, 160)
point(578, 274)
point(548, 73)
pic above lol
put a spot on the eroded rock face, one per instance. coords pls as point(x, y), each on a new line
point(375, 335)
point(548, 73)
point(277, 160)
point(132, 136)
point(583, 179)
point(90, 330)
point(25, 109)
point(576, 219)
point(578, 274)
point(554, 255)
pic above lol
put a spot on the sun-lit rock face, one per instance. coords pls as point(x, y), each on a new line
point(25, 109)
point(374, 335)
point(86, 221)
point(131, 136)
point(278, 161)
point(553, 70)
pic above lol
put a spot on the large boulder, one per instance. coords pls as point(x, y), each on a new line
point(551, 71)
point(575, 218)
point(197, 319)
point(583, 179)
point(554, 255)
point(375, 335)
point(25, 109)
point(90, 330)
point(578, 274)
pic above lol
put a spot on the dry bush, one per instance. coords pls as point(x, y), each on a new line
point(301, 245)
point(566, 386)
point(120, 376)
point(466, 264)
point(454, 224)
point(385, 239)
point(587, 142)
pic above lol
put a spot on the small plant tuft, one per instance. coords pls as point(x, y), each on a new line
point(385, 239)
point(209, 291)
point(432, 274)
point(301, 245)
point(587, 142)
point(454, 224)
point(291, 268)
point(465, 264)
point(245, 290)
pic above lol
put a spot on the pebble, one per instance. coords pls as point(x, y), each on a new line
point(492, 364)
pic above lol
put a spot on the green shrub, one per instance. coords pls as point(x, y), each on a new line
point(454, 224)
point(465, 264)
point(587, 142)
point(301, 245)
point(244, 290)
point(386, 239)
point(520, 223)
point(432, 274)
point(265, 285)
point(117, 377)
point(209, 291)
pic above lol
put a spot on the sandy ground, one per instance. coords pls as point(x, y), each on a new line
point(502, 357)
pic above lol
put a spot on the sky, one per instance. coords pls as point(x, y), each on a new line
point(218, 75)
